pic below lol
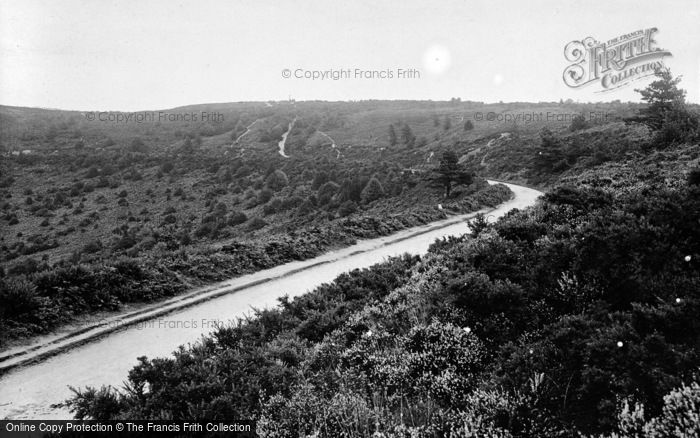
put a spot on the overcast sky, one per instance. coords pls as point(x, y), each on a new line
point(151, 54)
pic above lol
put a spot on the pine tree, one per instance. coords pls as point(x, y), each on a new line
point(392, 135)
point(407, 136)
point(372, 191)
point(450, 173)
point(549, 153)
point(666, 113)
point(661, 96)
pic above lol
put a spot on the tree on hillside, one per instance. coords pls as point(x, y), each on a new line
point(327, 191)
point(549, 155)
point(277, 180)
point(450, 173)
point(660, 97)
point(351, 189)
point(447, 124)
point(407, 136)
point(468, 125)
point(392, 135)
point(372, 191)
point(666, 113)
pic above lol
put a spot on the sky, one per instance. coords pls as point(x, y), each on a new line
point(154, 54)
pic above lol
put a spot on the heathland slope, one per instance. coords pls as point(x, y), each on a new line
point(101, 209)
point(574, 317)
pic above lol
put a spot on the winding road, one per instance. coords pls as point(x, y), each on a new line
point(37, 376)
point(284, 138)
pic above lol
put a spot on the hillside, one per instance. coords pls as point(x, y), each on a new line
point(99, 214)
point(576, 317)
point(538, 325)
point(569, 318)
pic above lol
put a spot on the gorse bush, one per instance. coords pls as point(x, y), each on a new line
point(18, 297)
point(680, 416)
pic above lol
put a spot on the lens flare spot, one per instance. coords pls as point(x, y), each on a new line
point(437, 59)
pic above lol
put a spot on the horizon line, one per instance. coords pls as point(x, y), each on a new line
point(294, 101)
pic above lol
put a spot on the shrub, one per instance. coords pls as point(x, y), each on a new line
point(277, 180)
point(220, 210)
point(443, 360)
point(92, 247)
point(256, 223)
point(680, 416)
point(578, 122)
point(103, 404)
point(274, 206)
point(236, 218)
point(26, 267)
point(6, 182)
point(306, 207)
point(18, 297)
point(326, 192)
point(694, 177)
point(347, 208)
point(91, 172)
point(167, 167)
point(264, 196)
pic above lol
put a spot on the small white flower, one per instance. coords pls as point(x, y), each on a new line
point(678, 300)
point(467, 329)
point(620, 344)
point(687, 258)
